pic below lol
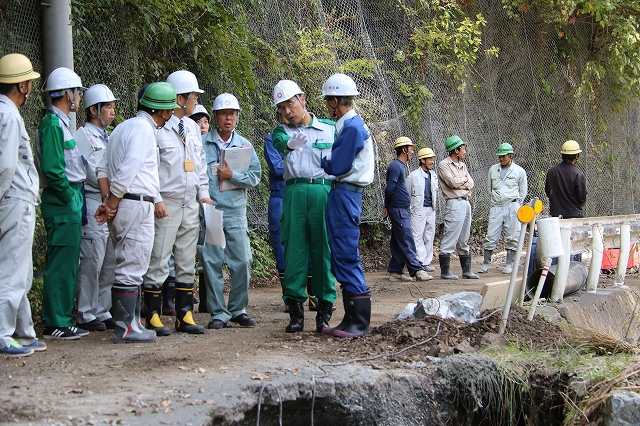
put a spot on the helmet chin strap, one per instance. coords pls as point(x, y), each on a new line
point(73, 98)
point(99, 116)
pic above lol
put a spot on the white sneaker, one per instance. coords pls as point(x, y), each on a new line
point(423, 276)
point(395, 276)
point(429, 268)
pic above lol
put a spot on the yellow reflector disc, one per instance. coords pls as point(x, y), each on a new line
point(537, 208)
point(525, 214)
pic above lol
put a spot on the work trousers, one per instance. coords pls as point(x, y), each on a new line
point(63, 222)
point(237, 255)
point(94, 287)
point(274, 213)
point(17, 223)
point(423, 226)
point(503, 218)
point(304, 235)
point(343, 226)
point(177, 234)
point(403, 248)
point(132, 231)
point(457, 227)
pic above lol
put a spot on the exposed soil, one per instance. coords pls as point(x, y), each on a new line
point(92, 380)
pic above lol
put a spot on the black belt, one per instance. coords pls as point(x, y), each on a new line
point(462, 198)
point(348, 186)
point(430, 205)
point(138, 197)
point(319, 181)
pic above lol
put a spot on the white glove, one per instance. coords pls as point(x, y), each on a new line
point(297, 141)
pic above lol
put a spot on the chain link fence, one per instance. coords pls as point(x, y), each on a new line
point(523, 96)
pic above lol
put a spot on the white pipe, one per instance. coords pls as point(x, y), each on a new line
point(512, 282)
point(543, 277)
point(557, 292)
point(596, 258)
point(623, 259)
point(525, 272)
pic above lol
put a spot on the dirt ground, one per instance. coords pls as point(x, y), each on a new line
point(93, 381)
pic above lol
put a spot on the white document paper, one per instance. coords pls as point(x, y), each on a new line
point(213, 221)
point(88, 146)
point(238, 159)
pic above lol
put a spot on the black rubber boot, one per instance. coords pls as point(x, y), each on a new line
point(486, 264)
point(465, 263)
point(345, 321)
point(168, 296)
point(313, 301)
point(296, 317)
point(202, 293)
point(445, 267)
point(359, 306)
point(153, 302)
point(184, 310)
point(325, 310)
point(125, 310)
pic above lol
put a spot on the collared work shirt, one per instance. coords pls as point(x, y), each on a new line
point(452, 176)
point(57, 157)
point(131, 161)
point(513, 186)
point(177, 186)
point(306, 162)
point(566, 187)
point(352, 151)
point(18, 174)
point(99, 144)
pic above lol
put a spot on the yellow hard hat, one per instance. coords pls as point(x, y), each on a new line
point(16, 68)
point(402, 141)
point(425, 153)
point(571, 147)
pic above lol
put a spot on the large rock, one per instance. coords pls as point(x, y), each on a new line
point(623, 409)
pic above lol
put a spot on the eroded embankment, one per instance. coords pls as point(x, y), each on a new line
point(466, 389)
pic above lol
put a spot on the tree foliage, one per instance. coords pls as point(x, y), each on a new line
point(604, 33)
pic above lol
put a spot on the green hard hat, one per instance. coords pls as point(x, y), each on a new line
point(160, 96)
point(504, 149)
point(453, 142)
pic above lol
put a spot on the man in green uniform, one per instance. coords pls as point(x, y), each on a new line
point(303, 142)
point(61, 175)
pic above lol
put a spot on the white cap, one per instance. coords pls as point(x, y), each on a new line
point(98, 93)
point(63, 78)
point(226, 101)
point(200, 109)
point(285, 90)
point(339, 85)
point(184, 82)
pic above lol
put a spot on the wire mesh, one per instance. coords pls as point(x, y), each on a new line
point(524, 96)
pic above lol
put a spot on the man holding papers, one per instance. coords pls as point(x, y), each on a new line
point(233, 167)
point(302, 142)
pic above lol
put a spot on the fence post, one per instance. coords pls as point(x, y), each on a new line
point(623, 259)
point(57, 41)
point(596, 258)
point(562, 271)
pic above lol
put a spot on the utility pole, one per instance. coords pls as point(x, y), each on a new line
point(57, 40)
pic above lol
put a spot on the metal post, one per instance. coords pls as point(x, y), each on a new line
point(543, 278)
point(623, 259)
point(596, 258)
point(557, 293)
point(57, 40)
point(512, 282)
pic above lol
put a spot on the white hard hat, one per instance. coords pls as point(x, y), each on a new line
point(62, 78)
point(184, 82)
point(200, 109)
point(226, 101)
point(98, 93)
point(285, 90)
point(339, 85)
